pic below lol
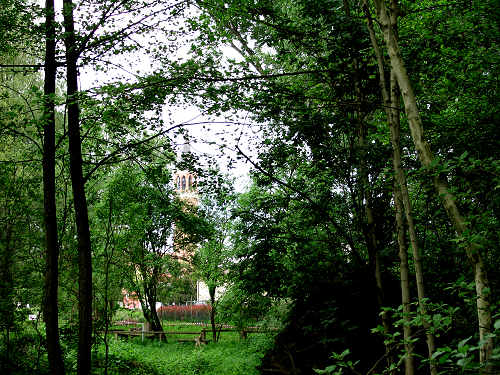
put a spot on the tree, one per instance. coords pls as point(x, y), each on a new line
point(49, 186)
point(473, 249)
point(20, 127)
point(79, 197)
point(81, 47)
point(336, 159)
point(212, 258)
point(315, 82)
point(150, 224)
point(391, 102)
point(21, 254)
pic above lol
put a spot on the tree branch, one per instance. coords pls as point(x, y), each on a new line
point(307, 198)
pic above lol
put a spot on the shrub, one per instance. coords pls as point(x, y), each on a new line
point(25, 354)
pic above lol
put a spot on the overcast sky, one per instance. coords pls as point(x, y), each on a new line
point(207, 137)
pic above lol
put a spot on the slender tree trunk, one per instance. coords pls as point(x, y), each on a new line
point(153, 298)
point(108, 257)
point(80, 201)
point(106, 319)
point(211, 292)
point(405, 285)
point(148, 302)
point(155, 320)
point(50, 305)
point(403, 188)
point(440, 184)
point(7, 306)
point(392, 104)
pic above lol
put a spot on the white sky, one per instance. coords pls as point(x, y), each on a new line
point(207, 138)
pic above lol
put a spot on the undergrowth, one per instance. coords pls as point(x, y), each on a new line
point(230, 356)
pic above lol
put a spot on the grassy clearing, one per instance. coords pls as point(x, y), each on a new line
point(230, 356)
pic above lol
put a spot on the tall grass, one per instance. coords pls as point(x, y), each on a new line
point(230, 356)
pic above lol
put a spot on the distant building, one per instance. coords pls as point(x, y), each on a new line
point(202, 294)
point(185, 186)
point(130, 300)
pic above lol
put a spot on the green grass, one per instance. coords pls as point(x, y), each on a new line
point(230, 356)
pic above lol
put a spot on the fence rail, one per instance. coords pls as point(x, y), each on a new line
point(199, 336)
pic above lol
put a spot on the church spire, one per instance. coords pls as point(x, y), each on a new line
point(186, 148)
point(185, 181)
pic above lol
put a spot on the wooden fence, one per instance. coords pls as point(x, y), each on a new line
point(198, 337)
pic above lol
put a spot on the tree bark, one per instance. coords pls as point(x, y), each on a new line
point(7, 305)
point(50, 300)
point(107, 303)
point(148, 299)
point(153, 298)
point(403, 188)
point(405, 285)
point(440, 184)
point(80, 201)
point(391, 103)
point(211, 292)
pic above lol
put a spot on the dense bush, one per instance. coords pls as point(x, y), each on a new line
point(24, 353)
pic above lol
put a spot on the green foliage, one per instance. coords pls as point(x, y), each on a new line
point(242, 309)
point(145, 223)
point(27, 352)
point(462, 356)
point(20, 257)
point(17, 26)
point(122, 314)
point(295, 246)
point(229, 356)
point(341, 364)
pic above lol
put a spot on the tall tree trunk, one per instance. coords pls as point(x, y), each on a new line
point(107, 303)
point(400, 192)
point(403, 188)
point(211, 292)
point(391, 103)
point(80, 201)
point(405, 285)
point(7, 305)
point(473, 249)
point(50, 305)
point(148, 299)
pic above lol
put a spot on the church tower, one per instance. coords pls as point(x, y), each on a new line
point(185, 182)
point(185, 187)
